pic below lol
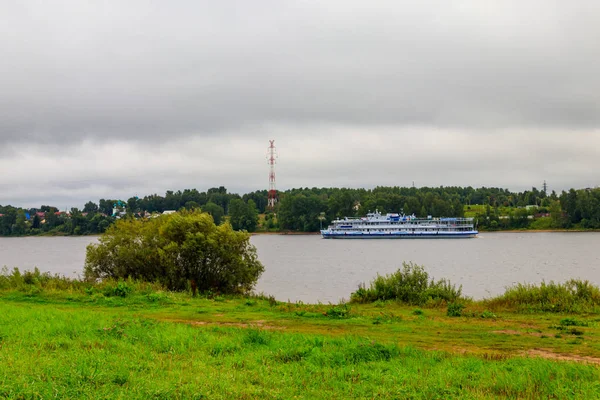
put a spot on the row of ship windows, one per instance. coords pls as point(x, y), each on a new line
point(408, 224)
point(411, 230)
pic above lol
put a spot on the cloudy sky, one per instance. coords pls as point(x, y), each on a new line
point(116, 98)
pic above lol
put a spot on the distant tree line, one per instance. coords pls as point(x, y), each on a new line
point(305, 209)
point(492, 208)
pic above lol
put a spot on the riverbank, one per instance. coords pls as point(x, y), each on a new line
point(481, 231)
point(297, 233)
point(136, 341)
point(542, 231)
point(286, 233)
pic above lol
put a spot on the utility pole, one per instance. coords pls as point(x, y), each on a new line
point(271, 156)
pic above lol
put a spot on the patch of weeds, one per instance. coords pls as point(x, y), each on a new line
point(157, 297)
point(223, 349)
point(33, 291)
point(370, 352)
point(256, 336)
point(250, 303)
point(455, 309)
point(300, 313)
point(90, 290)
point(558, 336)
point(572, 322)
point(116, 331)
point(120, 379)
point(379, 304)
point(219, 299)
point(488, 314)
point(495, 356)
point(339, 311)
point(309, 314)
point(318, 342)
point(386, 319)
point(418, 311)
point(575, 331)
point(122, 289)
point(291, 355)
point(272, 301)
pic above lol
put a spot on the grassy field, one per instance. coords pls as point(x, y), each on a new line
point(133, 341)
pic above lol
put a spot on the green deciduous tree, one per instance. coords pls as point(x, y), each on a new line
point(243, 216)
point(90, 207)
point(176, 250)
point(214, 210)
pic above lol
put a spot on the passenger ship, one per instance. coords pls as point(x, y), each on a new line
point(399, 226)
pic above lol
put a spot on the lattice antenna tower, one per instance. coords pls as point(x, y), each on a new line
point(545, 186)
point(271, 159)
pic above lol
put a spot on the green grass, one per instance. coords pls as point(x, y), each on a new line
point(81, 343)
point(575, 296)
point(65, 338)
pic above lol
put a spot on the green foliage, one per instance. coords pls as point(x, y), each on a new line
point(214, 211)
point(488, 314)
point(121, 289)
point(174, 249)
point(27, 280)
point(572, 322)
point(76, 345)
point(572, 296)
point(410, 285)
point(50, 352)
point(301, 212)
point(257, 336)
point(455, 309)
point(339, 311)
point(242, 215)
point(304, 209)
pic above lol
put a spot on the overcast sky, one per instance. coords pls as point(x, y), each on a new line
point(116, 98)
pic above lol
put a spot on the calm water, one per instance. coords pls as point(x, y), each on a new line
point(311, 269)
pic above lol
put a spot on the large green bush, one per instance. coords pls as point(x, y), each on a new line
point(178, 250)
point(410, 284)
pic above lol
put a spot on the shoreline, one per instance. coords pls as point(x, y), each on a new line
point(292, 233)
point(496, 231)
point(285, 233)
point(543, 231)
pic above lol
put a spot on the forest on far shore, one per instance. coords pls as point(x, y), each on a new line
point(305, 209)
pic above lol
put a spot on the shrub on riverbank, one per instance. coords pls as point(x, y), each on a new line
point(411, 285)
point(179, 251)
point(575, 295)
point(27, 280)
point(36, 282)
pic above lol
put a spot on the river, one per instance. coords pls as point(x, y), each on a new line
point(311, 269)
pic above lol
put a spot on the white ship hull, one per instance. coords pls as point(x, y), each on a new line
point(326, 234)
point(397, 226)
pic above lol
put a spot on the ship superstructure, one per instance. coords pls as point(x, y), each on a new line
point(399, 226)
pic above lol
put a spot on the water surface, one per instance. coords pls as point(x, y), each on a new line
point(311, 269)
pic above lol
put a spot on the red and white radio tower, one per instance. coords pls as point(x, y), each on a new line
point(271, 156)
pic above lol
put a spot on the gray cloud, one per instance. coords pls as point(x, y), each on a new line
point(152, 70)
point(142, 96)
